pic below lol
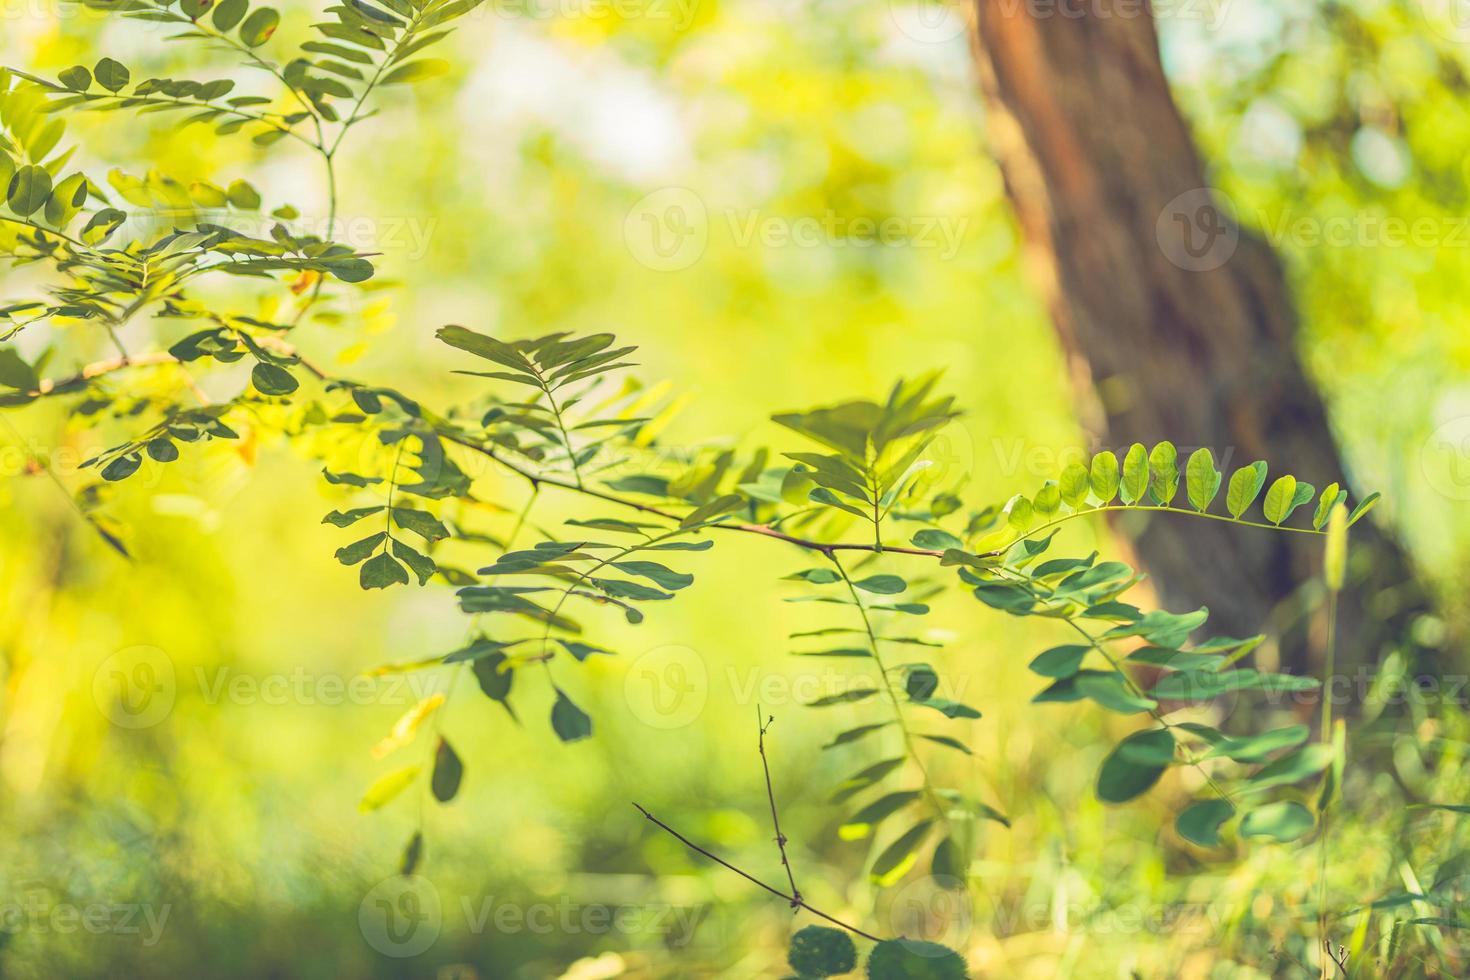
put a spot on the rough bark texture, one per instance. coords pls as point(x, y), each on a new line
point(1175, 324)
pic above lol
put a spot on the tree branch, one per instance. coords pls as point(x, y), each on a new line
point(796, 900)
point(771, 797)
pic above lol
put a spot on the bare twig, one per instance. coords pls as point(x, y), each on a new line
point(796, 901)
point(775, 819)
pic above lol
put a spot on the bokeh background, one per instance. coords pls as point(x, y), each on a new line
point(541, 186)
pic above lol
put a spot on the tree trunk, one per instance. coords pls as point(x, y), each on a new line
point(1176, 324)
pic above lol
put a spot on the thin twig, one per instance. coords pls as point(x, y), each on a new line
point(795, 900)
point(775, 819)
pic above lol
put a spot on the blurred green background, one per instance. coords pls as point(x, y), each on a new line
point(543, 186)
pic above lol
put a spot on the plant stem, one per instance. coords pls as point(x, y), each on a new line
point(908, 738)
point(775, 818)
point(796, 900)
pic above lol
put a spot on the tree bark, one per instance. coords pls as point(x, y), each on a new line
point(1176, 324)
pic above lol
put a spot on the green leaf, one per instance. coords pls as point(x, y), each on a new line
point(819, 951)
point(898, 857)
point(272, 379)
point(656, 573)
point(381, 571)
point(1135, 473)
point(358, 550)
point(1245, 486)
point(66, 200)
point(860, 781)
point(843, 697)
point(422, 565)
point(882, 584)
point(340, 518)
point(1060, 661)
point(949, 865)
point(259, 27)
point(1163, 464)
point(76, 78)
point(1104, 477)
point(1281, 822)
point(1074, 484)
point(1364, 505)
point(570, 722)
point(411, 854)
point(936, 540)
point(1302, 764)
point(861, 824)
point(383, 791)
point(816, 576)
point(448, 771)
point(420, 522)
point(1201, 479)
point(708, 512)
point(1279, 499)
point(1330, 498)
point(915, 959)
point(15, 372)
point(229, 13)
point(122, 467)
point(162, 450)
point(1200, 822)
point(494, 682)
point(1122, 777)
point(853, 734)
point(1254, 748)
point(948, 742)
point(111, 75)
point(1108, 689)
point(30, 188)
point(416, 71)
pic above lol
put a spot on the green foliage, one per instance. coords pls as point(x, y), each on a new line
point(915, 959)
point(820, 951)
point(557, 412)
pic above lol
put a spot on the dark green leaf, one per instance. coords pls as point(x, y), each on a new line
point(570, 722)
point(111, 75)
point(915, 959)
point(898, 856)
point(259, 27)
point(1281, 822)
point(819, 951)
point(1121, 778)
point(448, 771)
point(272, 379)
point(1200, 822)
point(29, 189)
point(381, 571)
